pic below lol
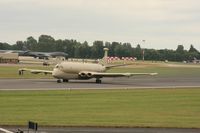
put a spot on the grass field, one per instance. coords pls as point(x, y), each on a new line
point(132, 108)
point(11, 71)
point(163, 71)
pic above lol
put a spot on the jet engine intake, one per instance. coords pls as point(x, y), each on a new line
point(84, 75)
point(89, 75)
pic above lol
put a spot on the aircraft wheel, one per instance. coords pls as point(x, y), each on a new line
point(98, 81)
point(59, 81)
point(20, 72)
point(65, 80)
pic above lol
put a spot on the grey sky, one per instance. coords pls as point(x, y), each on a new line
point(162, 23)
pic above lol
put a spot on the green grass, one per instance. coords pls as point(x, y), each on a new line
point(12, 72)
point(134, 108)
point(163, 71)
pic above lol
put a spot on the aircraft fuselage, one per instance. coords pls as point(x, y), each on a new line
point(76, 70)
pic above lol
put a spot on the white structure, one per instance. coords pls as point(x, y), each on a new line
point(9, 58)
point(5, 131)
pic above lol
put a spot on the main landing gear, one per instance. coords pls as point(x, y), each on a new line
point(59, 81)
point(98, 81)
point(21, 72)
point(64, 80)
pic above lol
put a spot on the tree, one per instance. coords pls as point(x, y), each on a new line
point(180, 53)
point(31, 44)
point(5, 46)
point(20, 45)
point(112, 48)
point(124, 50)
point(127, 50)
point(46, 43)
point(74, 48)
point(59, 45)
point(152, 54)
point(180, 49)
point(137, 52)
point(192, 49)
point(84, 50)
point(97, 50)
point(77, 50)
point(118, 50)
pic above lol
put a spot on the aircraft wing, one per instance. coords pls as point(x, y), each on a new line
point(118, 65)
point(101, 75)
point(34, 71)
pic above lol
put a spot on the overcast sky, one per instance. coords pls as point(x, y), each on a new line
point(162, 23)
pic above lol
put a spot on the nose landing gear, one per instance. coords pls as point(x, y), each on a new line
point(59, 81)
point(64, 80)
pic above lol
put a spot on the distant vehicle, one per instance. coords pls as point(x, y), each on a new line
point(194, 60)
point(66, 70)
point(20, 52)
point(45, 63)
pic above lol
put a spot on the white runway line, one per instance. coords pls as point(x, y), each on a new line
point(6, 131)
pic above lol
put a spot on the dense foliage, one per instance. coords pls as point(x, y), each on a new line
point(76, 49)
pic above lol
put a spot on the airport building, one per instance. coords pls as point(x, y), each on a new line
point(9, 58)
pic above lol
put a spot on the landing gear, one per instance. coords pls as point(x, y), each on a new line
point(65, 80)
point(59, 81)
point(62, 80)
point(98, 81)
point(20, 72)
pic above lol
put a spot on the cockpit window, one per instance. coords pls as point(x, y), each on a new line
point(59, 66)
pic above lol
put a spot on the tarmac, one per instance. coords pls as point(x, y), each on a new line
point(107, 83)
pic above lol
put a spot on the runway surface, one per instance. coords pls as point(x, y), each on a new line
point(105, 130)
point(107, 83)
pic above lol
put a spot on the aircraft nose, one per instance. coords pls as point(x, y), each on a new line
point(55, 73)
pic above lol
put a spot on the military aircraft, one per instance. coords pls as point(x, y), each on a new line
point(66, 71)
point(20, 52)
point(40, 55)
point(45, 55)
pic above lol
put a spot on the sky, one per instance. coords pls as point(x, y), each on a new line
point(161, 23)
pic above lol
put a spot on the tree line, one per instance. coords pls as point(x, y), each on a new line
point(75, 49)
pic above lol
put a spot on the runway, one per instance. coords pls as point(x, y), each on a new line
point(107, 83)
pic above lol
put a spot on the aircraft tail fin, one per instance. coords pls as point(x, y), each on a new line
point(104, 59)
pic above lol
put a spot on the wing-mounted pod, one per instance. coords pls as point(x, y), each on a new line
point(85, 75)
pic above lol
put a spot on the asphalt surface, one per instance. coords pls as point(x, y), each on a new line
point(107, 83)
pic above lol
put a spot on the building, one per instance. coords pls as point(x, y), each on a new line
point(9, 58)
